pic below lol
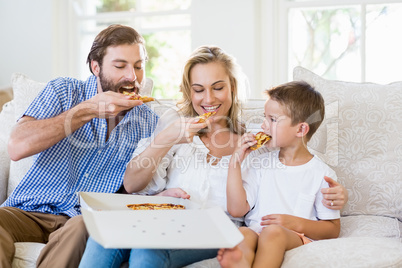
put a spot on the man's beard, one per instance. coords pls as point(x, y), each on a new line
point(108, 85)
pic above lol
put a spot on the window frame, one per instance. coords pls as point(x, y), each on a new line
point(280, 11)
point(78, 16)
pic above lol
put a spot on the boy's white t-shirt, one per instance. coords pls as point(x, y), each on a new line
point(292, 190)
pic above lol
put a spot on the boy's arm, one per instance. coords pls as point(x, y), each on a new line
point(236, 196)
point(321, 229)
point(237, 204)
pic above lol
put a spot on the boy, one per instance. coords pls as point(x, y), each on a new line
point(288, 200)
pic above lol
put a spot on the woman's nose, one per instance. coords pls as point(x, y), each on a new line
point(209, 96)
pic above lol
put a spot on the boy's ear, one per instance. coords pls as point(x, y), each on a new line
point(303, 129)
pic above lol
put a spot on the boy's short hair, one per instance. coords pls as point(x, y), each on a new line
point(302, 103)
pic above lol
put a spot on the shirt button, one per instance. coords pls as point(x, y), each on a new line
point(86, 175)
point(103, 125)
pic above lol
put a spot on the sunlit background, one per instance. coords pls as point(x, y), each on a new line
point(355, 40)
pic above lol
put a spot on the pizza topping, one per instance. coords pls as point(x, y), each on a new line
point(261, 138)
point(135, 96)
point(202, 118)
point(152, 206)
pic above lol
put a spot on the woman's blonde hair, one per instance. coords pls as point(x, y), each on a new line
point(238, 83)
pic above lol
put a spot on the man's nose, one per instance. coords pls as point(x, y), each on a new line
point(130, 75)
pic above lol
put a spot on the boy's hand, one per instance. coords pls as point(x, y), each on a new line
point(287, 221)
point(175, 192)
point(243, 147)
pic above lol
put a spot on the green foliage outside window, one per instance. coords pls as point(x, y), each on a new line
point(167, 49)
point(115, 5)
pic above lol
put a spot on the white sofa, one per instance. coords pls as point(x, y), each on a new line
point(360, 138)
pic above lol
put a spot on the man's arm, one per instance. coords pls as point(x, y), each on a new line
point(31, 136)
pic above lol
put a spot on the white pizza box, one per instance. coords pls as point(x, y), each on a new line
point(113, 225)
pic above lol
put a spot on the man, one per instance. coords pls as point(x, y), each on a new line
point(83, 134)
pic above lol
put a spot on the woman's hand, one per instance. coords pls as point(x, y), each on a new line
point(175, 192)
point(182, 130)
point(336, 196)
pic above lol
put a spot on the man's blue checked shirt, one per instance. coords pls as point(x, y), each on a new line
point(84, 160)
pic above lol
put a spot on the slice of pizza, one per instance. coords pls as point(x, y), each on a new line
point(134, 96)
point(262, 139)
point(153, 206)
point(202, 118)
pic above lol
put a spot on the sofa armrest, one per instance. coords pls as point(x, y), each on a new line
point(6, 123)
point(4, 171)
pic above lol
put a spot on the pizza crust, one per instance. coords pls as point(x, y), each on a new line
point(202, 118)
point(153, 206)
point(261, 138)
point(134, 96)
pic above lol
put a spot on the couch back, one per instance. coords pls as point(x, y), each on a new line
point(26, 89)
point(359, 138)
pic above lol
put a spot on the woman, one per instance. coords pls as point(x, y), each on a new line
point(189, 158)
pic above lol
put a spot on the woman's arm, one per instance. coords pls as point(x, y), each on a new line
point(141, 168)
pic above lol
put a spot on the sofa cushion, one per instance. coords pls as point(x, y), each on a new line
point(368, 225)
point(25, 90)
point(365, 252)
point(26, 254)
point(6, 123)
point(6, 95)
point(362, 142)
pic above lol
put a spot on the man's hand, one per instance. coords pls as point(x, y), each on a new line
point(336, 196)
point(175, 192)
point(109, 104)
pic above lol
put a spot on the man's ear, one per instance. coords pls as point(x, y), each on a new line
point(303, 129)
point(95, 67)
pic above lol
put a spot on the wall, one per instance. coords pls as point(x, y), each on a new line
point(233, 26)
point(26, 39)
point(34, 38)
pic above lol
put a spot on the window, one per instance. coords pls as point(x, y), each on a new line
point(165, 25)
point(344, 40)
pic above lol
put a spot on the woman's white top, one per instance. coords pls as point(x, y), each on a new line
point(185, 166)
